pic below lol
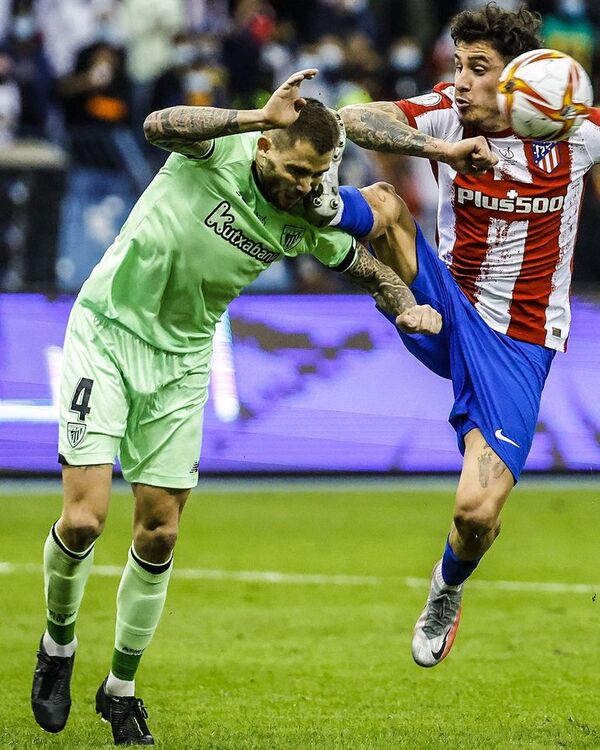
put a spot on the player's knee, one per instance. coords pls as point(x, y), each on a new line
point(476, 522)
point(476, 518)
point(155, 541)
point(80, 527)
point(384, 202)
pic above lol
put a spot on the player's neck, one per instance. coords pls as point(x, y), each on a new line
point(493, 125)
point(259, 180)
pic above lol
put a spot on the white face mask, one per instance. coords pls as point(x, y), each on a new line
point(276, 56)
point(572, 8)
point(197, 82)
point(105, 32)
point(183, 54)
point(405, 57)
point(330, 56)
point(24, 27)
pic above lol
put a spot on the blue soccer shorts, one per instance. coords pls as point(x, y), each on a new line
point(497, 380)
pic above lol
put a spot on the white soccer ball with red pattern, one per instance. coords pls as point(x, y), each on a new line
point(545, 94)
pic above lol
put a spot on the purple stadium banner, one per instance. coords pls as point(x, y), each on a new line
point(303, 384)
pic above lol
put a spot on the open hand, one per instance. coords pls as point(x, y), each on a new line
point(285, 103)
point(420, 319)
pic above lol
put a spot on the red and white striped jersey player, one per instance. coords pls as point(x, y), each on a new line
point(508, 235)
point(507, 223)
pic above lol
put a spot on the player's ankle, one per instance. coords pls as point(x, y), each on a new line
point(118, 687)
point(53, 648)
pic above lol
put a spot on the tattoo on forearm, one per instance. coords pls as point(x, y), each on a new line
point(383, 130)
point(387, 289)
point(192, 127)
point(490, 466)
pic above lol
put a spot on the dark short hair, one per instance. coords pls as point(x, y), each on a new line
point(315, 124)
point(510, 33)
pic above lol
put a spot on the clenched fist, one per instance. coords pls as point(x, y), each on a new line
point(420, 319)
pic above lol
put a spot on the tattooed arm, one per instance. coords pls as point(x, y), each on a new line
point(190, 130)
point(391, 294)
point(383, 126)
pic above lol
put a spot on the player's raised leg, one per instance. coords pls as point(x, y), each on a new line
point(140, 601)
point(483, 488)
point(394, 240)
point(68, 556)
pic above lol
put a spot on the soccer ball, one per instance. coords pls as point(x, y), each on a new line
point(545, 94)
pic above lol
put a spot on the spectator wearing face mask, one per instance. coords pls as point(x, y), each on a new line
point(31, 70)
point(96, 99)
point(278, 53)
point(195, 77)
point(253, 27)
point(66, 26)
point(98, 90)
point(345, 16)
point(406, 73)
point(328, 55)
point(149, 27)
point(10, 100)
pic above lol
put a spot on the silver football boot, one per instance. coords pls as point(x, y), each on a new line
point(322, 203)
point(436, 628)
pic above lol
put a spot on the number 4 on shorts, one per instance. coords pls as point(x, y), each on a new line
point(81, 398)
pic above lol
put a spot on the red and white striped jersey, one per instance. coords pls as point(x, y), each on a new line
point(508, 235)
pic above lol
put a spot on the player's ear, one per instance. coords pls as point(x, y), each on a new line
point(263, 144)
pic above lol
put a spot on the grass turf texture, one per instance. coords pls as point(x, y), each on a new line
point(242, 664)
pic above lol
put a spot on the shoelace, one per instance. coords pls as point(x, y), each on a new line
point(52, 666)
point(439, 606)
point(126, 710)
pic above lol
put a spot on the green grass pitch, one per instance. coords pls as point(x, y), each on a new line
point(319, 661)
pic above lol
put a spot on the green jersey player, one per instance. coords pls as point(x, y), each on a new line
point(227, 204)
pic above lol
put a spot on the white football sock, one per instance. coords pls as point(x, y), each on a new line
point(120, 688)
point(52, 648)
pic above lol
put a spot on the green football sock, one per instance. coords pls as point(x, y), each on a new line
point(65, 575)
point(140, 601)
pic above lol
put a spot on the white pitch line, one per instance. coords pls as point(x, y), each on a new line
point(541, 587)
point(303, 579)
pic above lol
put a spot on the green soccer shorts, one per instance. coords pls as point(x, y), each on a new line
point(122, 397)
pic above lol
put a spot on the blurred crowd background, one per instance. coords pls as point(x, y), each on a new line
point(78, 77)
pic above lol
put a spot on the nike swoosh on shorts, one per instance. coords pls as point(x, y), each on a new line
point(505, 439)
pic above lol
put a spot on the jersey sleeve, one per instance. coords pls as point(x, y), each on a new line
point(226, 150)
point(433, 114)
point(334, 249)
point(590, 131)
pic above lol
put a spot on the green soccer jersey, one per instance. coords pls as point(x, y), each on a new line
point(199, 234)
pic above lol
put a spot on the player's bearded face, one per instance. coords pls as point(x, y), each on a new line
point(477, 70)
point(289, 172)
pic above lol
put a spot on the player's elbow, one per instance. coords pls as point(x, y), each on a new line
point(350, 115)
point(150, 127)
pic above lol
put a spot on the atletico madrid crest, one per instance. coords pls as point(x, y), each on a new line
point(546, 155)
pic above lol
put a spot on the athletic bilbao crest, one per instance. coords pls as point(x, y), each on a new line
point(545, 155)
point(75, 433)
point(291, 236)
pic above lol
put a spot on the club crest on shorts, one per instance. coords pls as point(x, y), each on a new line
point(291, 236)
point(75, 433)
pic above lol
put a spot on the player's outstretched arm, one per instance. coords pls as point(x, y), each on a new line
point(190, 130)
point(383, 126)
point(391, 295)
